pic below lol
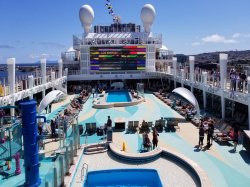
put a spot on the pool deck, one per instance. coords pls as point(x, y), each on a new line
point(222, 166)
point(170, 173)
point(219, 161)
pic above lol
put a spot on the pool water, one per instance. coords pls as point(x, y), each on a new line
point(124, 178)
point(118, 96)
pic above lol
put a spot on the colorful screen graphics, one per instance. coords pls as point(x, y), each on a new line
point(118, 58)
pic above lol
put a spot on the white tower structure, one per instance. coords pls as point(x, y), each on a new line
point(43, 72)
point(86, 15)
point(191, 70)
point(223, 75)
point(147, 16)
point(12, 80)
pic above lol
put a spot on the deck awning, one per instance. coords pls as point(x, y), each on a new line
point(188, 96)
point(49, 98)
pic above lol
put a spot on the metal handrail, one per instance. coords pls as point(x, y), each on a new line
point(84, 168)
point(86, 138)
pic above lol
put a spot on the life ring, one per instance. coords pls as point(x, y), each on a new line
point(1, 91)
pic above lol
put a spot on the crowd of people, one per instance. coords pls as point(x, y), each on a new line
point(206, 128)
point(63, 120)
point(237, 81)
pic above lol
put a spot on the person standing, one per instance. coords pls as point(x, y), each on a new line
point(53, 129)
point(93, 92)
point(235, 138)
point(147, 143)
point(108, 125)
point(109, 122)
point(2, 114)
point(201, 135)
point(210, 133)
point(155, 138)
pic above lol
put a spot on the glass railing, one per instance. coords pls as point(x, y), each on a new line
point(65, 158)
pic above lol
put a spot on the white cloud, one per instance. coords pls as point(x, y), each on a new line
point(45, 55)
point(42, 55)
point(6, 46)
point(246, 35)
point(236, 35)
point(32, 56)
point(216, 38)
point(196, 43)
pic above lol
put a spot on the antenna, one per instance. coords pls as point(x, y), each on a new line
point(116, 18)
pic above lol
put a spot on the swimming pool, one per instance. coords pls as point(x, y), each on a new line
point(123, 178)
point(118, 96)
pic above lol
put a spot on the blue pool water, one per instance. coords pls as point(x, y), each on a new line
point(118, 96)
point(124, 178)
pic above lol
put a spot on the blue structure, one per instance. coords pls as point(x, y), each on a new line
point(30, 143)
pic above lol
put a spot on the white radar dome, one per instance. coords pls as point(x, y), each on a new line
point(147, 16)
point(86, 15)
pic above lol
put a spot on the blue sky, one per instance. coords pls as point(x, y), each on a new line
point(31, 29)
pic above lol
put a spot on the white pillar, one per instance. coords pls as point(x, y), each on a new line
point(11, 74)
point(204, 74)
point(191, 70)
point(66, 72)
point(30, 84)
point(60, 67)
point(223, 76)
point(11, 62)
point(169, 69)
point(175, 70)
point(223, 70)
point(182, 77)
point(53, 77)
point(43, 72)
point(248, 99)
point(223, 108)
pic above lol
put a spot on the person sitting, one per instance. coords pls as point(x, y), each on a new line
point(229, 135)
point(144, 123)
point(135, 95)
point(147, 142)
point(188, 114)
point(194, 111)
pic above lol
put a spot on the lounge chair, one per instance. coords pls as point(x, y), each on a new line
point(224, 137)
point(136, 124)
point(172, 124)
point(221, 128)
point(150, 124)
point(144, 127)
point(131, 127)
point(93, 127)
point(159, 125)
point(90, 128)
point(81, 130)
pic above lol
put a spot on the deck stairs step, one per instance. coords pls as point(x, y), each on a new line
point(95, 148)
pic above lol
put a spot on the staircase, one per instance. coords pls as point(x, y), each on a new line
point(96, 148)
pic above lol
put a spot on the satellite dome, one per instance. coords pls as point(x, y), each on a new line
point(86, 15)
point(71, 49)
point(147, 16)
point(163, 48)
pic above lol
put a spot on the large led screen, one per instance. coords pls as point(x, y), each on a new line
point(118, 58)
